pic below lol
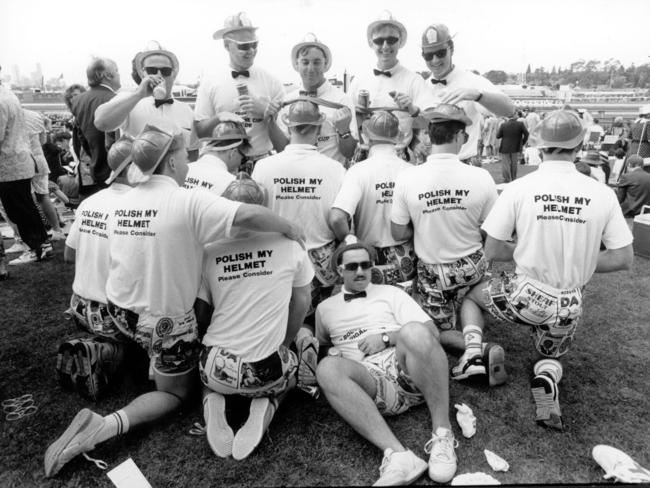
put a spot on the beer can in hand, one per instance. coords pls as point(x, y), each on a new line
point(364, 98)
point(242, 88)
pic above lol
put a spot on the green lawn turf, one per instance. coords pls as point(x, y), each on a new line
point(604, 395)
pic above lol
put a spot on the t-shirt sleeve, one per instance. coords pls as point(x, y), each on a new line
point(491, 197)
point(406, 309)
point(350, 192)
point(304, 270)
point(500, 222)
point(399, 211)
point(616, 233)
point(203, 108)
point(72, 241)
point(211, 217)
point(204, 290)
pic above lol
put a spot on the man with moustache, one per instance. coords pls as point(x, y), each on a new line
point(455, 86)
point(312, 59)
point(245, 89)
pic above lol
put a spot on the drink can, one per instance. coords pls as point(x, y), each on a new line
point(334, 351)
point(364, 98)
point(242, 89)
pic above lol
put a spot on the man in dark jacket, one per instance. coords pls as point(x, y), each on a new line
point(513, 135)
point(634, 187)
point(104, 81)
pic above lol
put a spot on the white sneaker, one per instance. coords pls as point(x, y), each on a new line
point(218, 432)
point(25, 258)
point(250, 435)
point(400, 468)
point(619, 465)
point(77, 438)
point(468, 366)
point(547, 403)
point(18, 246)
point(442, 457)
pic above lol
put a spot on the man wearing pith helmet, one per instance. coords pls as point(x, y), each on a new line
point(243, 88)
point(456, 86)
point(156, 241)
point(221, 156)
point(302, 185)
point(389, 83)
point(312, 59)
point(152, 102)
point(559, 218)
point(366, 198)
point(445, 202)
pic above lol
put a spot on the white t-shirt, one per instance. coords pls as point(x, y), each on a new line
point(401, 80)
point(559, 217)
point(248, 281)
point(367, 194)
point(218, 93)
point(343, 324)
point(156, 239)
point(209, 173)
point(447, 201)
point(89, 238)
point(302, 185)
point(178, 114)
point(460, 78)
point(328, 142)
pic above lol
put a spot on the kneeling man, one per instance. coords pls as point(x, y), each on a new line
point(387, 358)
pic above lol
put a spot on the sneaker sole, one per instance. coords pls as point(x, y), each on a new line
point(495, 365)
point(89, 382)
point(219, 433)
point(545, 396)
point(307, 365)
point(250, 435)
point(53, 452)
point(66, 366)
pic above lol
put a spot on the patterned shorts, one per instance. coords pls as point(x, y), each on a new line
point(395, 264)
point(441, 287)
point(171, 342)
point(226, 373)
point(396, 393)
point(93, 317)
point(553, 314)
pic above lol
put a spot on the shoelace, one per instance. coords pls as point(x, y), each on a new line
point(197, 429)
point(98, 462)
point(441, 452)
point(19, 407)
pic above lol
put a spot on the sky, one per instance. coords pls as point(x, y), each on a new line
point(505, 35)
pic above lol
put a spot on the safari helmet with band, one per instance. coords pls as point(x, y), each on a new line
point(310, 40)
point(303, 112)
point(234, 23)
point(153, 48)
point(446, 112)
point(386, 19)
point(560, 129)
point(382, 126)
point(226, 135)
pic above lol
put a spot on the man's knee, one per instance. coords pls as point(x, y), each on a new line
point(416, 336)
point(476, 294)
point(181, 385)
point(328, 372)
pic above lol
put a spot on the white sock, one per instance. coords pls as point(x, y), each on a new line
point(115, 424)
point(473, 336)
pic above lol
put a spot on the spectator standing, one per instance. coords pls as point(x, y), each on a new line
point(513, 135)
point(634, 187)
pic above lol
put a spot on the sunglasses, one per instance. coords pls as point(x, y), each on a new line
point(354, 266)
point(245, 46)
point(440, 53)
point(390, 40)
point(152, 70)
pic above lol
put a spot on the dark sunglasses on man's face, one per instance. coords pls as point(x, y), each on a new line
point(152, 70)
point(354, 266)
point(245, 46)
point(390, 40)
point(440, 53)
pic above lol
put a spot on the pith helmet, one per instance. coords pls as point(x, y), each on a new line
point(446, 112)
point(151, 146)
point(562, 129)
point(386, 18)
point(303, 112)
point(310, 40)
point(119, 156)
point(382, 126)
point(234, 23)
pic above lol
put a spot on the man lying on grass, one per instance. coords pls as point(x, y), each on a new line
point(387, 358)
point(156, 243)
point(558, 218)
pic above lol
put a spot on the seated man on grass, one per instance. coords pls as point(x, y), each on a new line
point(258, 286)
point(387, 358)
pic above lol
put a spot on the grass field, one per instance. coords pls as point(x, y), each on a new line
point(604, 395)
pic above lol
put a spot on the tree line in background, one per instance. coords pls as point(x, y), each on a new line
point(583, 74)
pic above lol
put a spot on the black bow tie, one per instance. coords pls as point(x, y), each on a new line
point(307, 93)
point(158, 103)
point(245, 73)
point(351, 296)
point(378, 72)
point(435, 82)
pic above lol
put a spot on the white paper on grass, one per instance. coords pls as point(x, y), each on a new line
point(496, 462)
point(480, 479)
point(128, 475)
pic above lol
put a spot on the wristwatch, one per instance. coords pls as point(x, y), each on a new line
point(344, 135)
point(385, 339)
